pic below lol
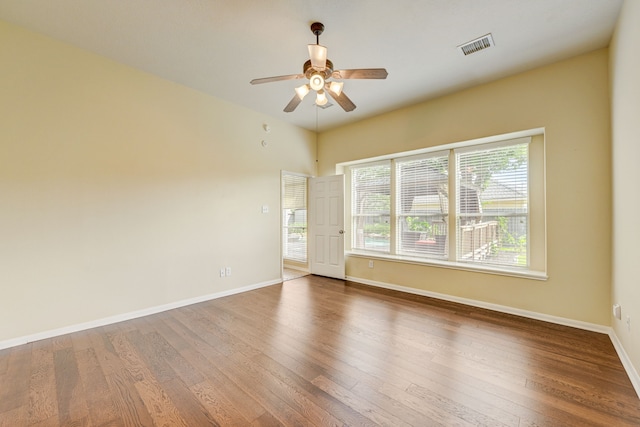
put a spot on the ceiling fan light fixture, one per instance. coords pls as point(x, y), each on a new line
point(336, 88)
point(321, 98)
point(302, 91)
point(318, 69)
point(316, 81)
point(318, 56)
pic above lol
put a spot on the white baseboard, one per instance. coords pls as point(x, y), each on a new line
point(128, 316)
point(624, 358)
point(489, 306)
point(626, 361)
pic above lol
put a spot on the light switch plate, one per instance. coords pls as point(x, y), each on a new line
point(617, 311)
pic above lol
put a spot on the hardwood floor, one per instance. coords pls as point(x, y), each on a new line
point(290, 274)
point(318, 351)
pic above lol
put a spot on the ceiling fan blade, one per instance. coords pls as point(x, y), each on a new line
point(318, 56)
point(295, 101)
point(361, 73)
point(276, 79)
point(342, 99)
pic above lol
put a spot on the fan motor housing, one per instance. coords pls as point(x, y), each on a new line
point(308, 70)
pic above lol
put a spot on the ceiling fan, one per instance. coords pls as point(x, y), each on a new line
point(319, 71)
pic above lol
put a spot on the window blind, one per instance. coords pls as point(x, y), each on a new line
point(294, 217)
point(422, 205)
point(370, 206)
point(492, 204)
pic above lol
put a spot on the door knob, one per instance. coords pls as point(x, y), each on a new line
point(341, 231)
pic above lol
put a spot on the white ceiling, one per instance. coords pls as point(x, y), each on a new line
point(218, 46)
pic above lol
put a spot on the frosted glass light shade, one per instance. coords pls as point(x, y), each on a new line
point(316, 82)
point(321, 98)
point(318, 56)
point(336, 88)
point(302, 91)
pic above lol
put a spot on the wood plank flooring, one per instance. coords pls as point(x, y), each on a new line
point(323, 352)
point(290, 274)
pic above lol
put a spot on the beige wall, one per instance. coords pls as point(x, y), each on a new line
point(625, 120)
point(121, 191)
point(570, 99)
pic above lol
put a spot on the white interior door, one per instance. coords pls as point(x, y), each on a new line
point(326, 226)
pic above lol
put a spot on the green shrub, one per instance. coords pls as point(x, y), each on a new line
point(377, 228)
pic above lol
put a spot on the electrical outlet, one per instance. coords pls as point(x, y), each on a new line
point(228, 271)
point(370, 263)
point(222, 272)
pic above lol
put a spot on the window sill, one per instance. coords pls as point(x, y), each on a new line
point(501, 271)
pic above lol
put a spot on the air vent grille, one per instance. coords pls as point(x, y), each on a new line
point(477, 45)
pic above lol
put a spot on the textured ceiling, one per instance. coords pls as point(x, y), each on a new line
point(218, 46)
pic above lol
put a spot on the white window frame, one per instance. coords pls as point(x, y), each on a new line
point(537, 264)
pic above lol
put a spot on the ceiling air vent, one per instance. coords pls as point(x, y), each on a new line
point(477, 45)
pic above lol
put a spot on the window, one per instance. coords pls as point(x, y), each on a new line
point(422, 205)
point(370, 206)
point(492, 193)
point(294, 217)
point(400, 206)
